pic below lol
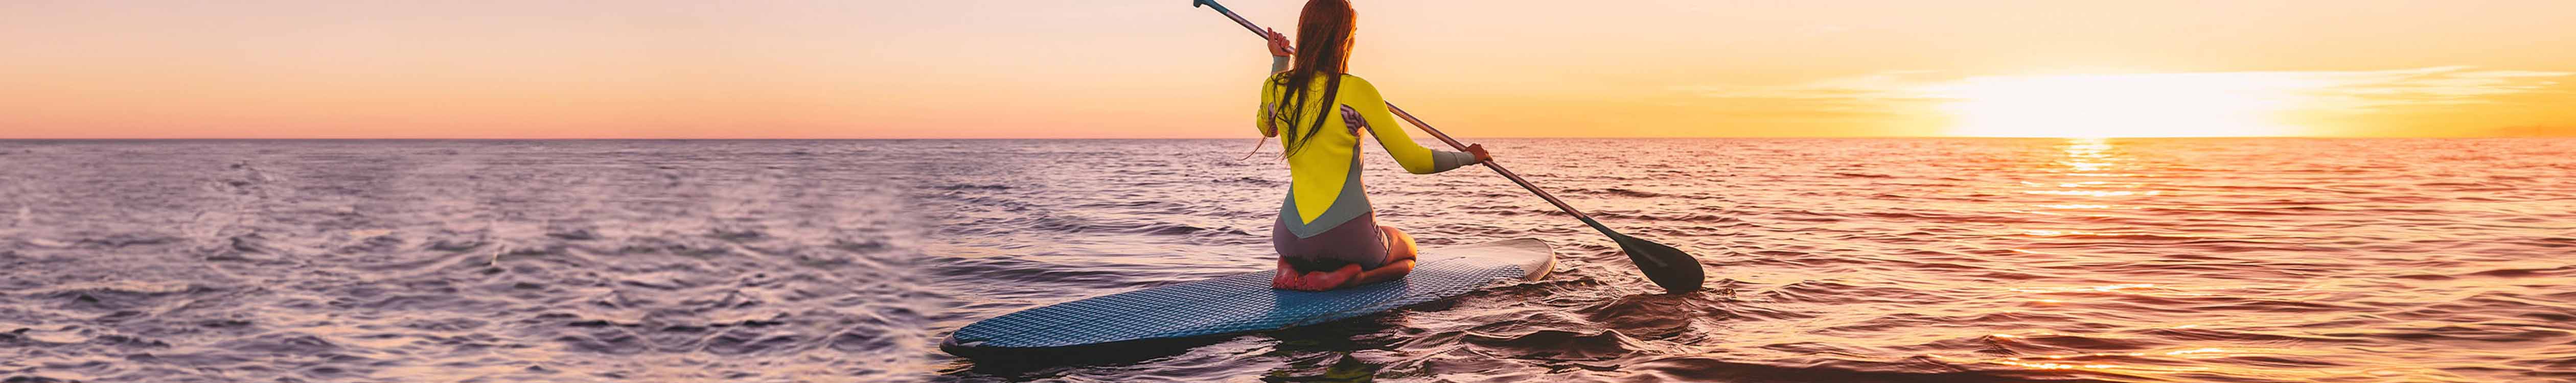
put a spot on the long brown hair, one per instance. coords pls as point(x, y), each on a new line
point(1323, 50)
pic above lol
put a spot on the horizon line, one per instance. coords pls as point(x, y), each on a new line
point(1167, 138)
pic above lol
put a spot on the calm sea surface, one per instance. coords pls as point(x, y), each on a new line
point(1829, 260)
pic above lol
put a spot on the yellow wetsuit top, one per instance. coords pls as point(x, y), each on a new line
point(1324, 188)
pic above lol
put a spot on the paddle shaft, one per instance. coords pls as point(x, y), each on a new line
point(1444, 137)
point(1507, 173)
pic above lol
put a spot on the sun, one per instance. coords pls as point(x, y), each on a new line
point(2121, 105)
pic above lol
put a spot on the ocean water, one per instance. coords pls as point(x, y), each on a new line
point(1829, 260)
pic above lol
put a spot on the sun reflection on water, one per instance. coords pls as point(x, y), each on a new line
point(2088, 154)
point(2103, 171)
point(2108, 168)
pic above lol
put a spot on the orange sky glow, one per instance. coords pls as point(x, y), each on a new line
point(1155, 69)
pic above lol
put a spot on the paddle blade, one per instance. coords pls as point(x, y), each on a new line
point(1675, 271)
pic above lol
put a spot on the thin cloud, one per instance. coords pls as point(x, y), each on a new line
point(2367, 90)
point(2315, 90)
point(1901, 85)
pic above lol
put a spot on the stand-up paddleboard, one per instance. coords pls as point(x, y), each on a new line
point(1244, 303)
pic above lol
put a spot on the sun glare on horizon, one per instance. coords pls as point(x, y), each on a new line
point(2122, 105)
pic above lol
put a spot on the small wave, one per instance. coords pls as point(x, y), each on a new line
point(1070, 225)
point(1918, 369)
point(1002, 269)
point(1655, 316)
point(737, 234)
point(125, 240)
point(956, 187)
point(861, 245)
point(2063, 344)
point(1615, 191)
point(456, 244)
point(742, 341)
point(283, 342)
point(2528, 272)
point(1832, 292)
point(2228, 335)
point(1667, 217)
point(2468, 334)
point(580, 234)
point(1253, 181)
point(1556, 344)
point(372, 245)
point(861, 340)
point(120, 296)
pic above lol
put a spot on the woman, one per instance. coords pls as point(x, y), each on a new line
point(1327, 235)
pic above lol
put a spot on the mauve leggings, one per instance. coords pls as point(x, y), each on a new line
point(1355, 241)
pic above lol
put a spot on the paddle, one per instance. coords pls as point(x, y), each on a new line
point(1675, 271)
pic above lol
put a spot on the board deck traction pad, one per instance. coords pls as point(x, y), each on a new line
point(1245, 302)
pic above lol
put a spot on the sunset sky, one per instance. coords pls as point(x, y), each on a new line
point(1159, 68)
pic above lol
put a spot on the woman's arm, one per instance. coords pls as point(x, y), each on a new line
point(1279, 52)
point(1261, 116)
point(1364, 101)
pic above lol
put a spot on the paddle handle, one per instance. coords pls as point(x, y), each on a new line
point(1507, 173)
point(1238, 19)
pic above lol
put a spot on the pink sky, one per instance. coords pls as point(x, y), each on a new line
point(1077, 69)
